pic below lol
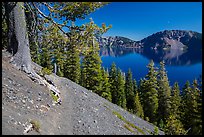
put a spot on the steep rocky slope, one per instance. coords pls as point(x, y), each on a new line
point(82, 112)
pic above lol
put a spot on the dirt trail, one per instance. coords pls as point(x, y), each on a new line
point(63, 116)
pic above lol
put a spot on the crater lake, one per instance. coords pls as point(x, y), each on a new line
point(180, 65)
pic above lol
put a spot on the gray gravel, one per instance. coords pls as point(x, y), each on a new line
point(92, 114)
point(82, 112)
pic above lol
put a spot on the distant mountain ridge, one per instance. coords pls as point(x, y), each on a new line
point(175, 47)
point(163, 40)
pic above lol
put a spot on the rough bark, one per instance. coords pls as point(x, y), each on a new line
point(18, 41)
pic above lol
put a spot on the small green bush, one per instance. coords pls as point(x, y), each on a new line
point(156, 131)
point(147, 119)
point(55, 98)
point(134, 126)
point(36, 125)
point(60, 73)
point(128, 128)
point(127, 122)
point(46, 71)
point(119, 116)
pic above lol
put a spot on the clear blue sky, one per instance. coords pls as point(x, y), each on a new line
point(137, 20)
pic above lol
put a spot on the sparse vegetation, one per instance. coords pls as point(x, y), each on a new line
point(46, 71)
point(119, 116)
point(36, 125)
point(127, 122)
point(55, 98)
point(147, 130)
point(136, 127)
point(128, 128)
point(156, 131)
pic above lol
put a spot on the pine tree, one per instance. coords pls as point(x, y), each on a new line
point(138, 110)
point(113, 82)
point(175, 100)
point(174, 126)
point(121, 98)
point(46, 59)
point(195, 115)
point(91, 72)
point(105, 93)
point(135, 88)
point(185, 105)
point(59, 62)
point(72, 62)
point(130, 97)
point(150, 93)
point(141, 91)
point(164, 93)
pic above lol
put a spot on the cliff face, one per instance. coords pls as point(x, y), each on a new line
point(164, 40)
point(82, 112)
point(173, 40)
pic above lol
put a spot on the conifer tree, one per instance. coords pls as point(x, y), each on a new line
point(135, 88)
point(113, 82)
point(46, 59)
point(195, 122)
point(130, 97)
point(91, 63)
point(59, 62)
point(150, 93)
point(72, 62)
point(141, 90)
point(138, 110)
point(92, 71)
point(164, 93)
point(121, 98)
point(185, 105)
point(106, 93)
point(174, 126)
point(175, 100)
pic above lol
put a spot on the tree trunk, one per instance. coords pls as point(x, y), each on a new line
point(18, 42)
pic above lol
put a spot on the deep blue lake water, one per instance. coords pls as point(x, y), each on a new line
point(138, 62)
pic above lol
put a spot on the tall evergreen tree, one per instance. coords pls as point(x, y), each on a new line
point(185, 108)
point(130, 97)
point(141, 90)
point(174, 126)
point(91, 69)
point(195, 113)
point(175, 100)
point(138, 110)
point(46, 59)
point(59, 56)
point(151, 93)
point(72, 62)
point(121, 98)
point(135, 88)
point(164, 93)
point(106, 93)
point(113, 82)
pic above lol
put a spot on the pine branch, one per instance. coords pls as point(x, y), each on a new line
point(50, 19)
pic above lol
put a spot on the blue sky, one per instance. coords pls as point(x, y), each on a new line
point(137, 20)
